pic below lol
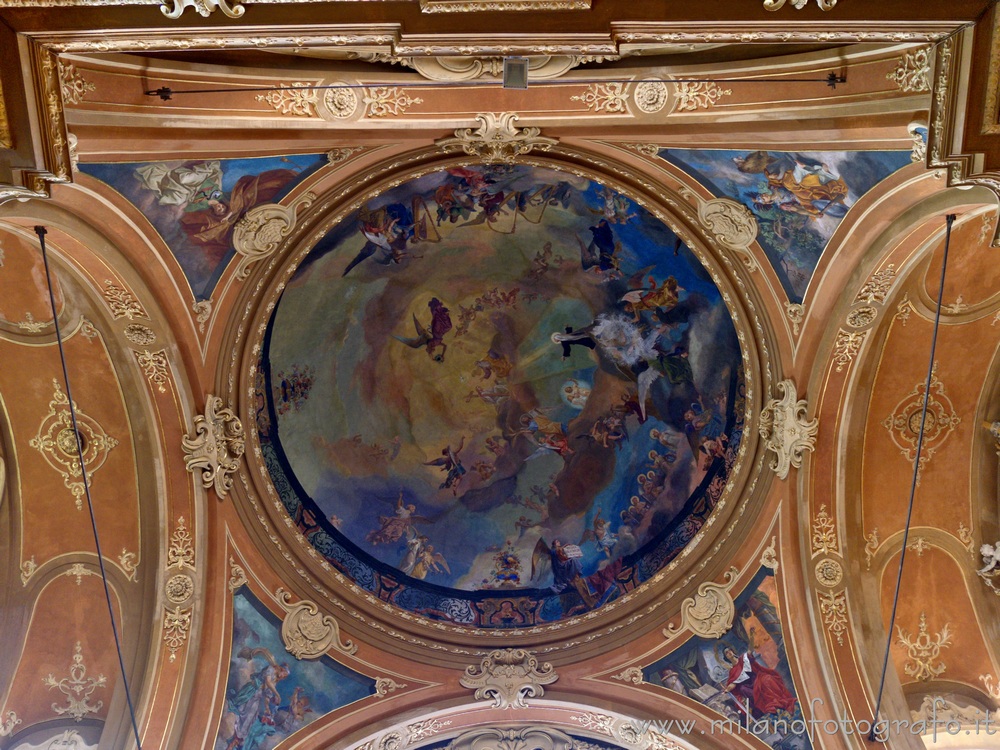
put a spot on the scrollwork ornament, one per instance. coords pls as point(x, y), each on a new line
point(785, 429)
point(527, 738)
point(708, 614)
point(769, 558)
point(77, 688)
point(833, 607)
point(216, 447)
point(632, 674)
point(386, 685)
point(924, 650)
point(508, 677)
point(308, 634)
point(237, 576)
point(731, 223)
point(202, 8)
point(798, 4)
point(260, 231)
point(497, 140)
point(8, 723)
point(176, 626)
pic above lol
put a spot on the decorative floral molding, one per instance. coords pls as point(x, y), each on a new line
point(607, 98)
point(216, 447)
point(155, 367)
point(903, 424)
point(597, 723)
point(824, 534)
point(731, 223)
point(122, 302)
point(421, 730)
point(237, 576)
point(296, 99)
point(990, 572)
point(833, 607)
point(871, 547)
point(74, 86)
point(878, 285)
point(386, 101)
point(691, 96)
point(260, 231)
point(8, 723)
point(176, 626)
point(202, 8)
point(508, 677)
point(180, 553)
point(632, 674)
point(913, 73)
point(386, 685)
point(708, 614)
point(527, 738)
point(785, 429)
point(924, 650)
point(496, 140)
point(308, 634)
point(799, 4)
point(77, 688)
point(57, 442)
point(847, 346)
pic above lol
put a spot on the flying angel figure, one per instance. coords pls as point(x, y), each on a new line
point(601, 534)
point(432, 339)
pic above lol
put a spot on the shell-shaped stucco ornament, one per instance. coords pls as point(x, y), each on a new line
point(216, 447)
point(710, 612)
point(528, 738)
point(785, 429)
point(308, 634)
point(508, 677)
point(731, 223)
point(260, 231)
point(496, 140)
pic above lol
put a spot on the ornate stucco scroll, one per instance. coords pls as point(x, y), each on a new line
point(508, 677)
point(710, 612)
point(262, 229)
point(732, 224)
point(785, 429)
point(308, 634)
point(202, 8)
point(529, 738)
point(216, 446)
point(497, 140)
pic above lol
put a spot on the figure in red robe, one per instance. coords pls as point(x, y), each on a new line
point(756, 686)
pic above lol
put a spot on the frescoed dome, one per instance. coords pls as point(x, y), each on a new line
point(500, 396)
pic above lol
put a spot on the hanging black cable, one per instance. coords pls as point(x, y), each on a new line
point(165, 92)
point(41, 231)
point(873, 735)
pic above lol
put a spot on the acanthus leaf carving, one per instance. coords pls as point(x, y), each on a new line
point(176, 626)
point(508, 677)
point(708, 614)
point(497, 140)
point(527, 738)
point(785, 429)
point(308, 634)
point(260, 231)
point(631, 674)
point(216, 447)
point(924, 650)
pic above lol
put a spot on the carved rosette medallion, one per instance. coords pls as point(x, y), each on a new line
point(308, 634)
point(340, 103)
point(497, 140)
point(260, 231)
point(785, 429)
point(904, 422)
point(862, 317)
point(829, 572)
point(651, 96)
point(139, 334)
point(508, 677)
point(216, 447)
point(179, 588)
point(57, 442)
point(710, 612)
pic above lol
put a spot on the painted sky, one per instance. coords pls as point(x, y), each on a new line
point(798, 198)
point(194, 204)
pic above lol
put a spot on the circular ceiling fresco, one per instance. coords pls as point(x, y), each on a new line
point(500, 396)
